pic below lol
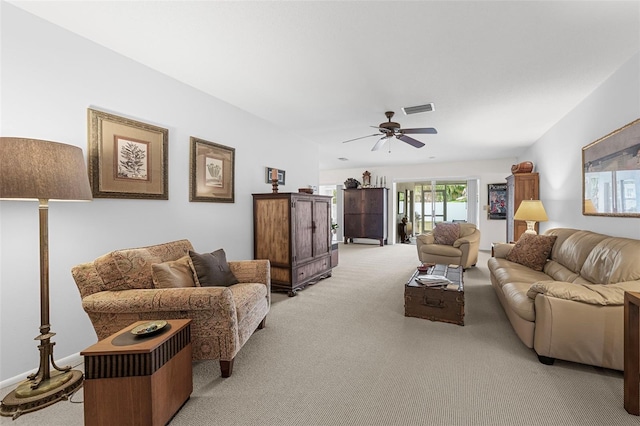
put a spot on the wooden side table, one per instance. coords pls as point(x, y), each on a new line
point(631, 353)
point(133, 380)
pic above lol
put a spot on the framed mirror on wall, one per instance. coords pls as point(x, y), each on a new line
point(611, 174)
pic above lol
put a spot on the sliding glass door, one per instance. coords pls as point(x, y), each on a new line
point(439, 201)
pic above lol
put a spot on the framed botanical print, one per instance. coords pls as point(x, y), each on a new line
point(212, 168)
point(127, 158)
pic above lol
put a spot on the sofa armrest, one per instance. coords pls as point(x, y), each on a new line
point(593, 294)
point(501, 250)
point(217, 299)
point(252, 271)
point(424, 239)
point(469, 239)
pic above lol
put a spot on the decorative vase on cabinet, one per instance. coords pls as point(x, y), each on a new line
point(293, 231)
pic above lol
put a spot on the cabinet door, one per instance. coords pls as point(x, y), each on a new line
point(303, 219)
point(321, 226)
point(373, 226)
point(353, 201)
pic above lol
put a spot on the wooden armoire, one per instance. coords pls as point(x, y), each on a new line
point(293, 231)
point(365, 214)
point(520, 186)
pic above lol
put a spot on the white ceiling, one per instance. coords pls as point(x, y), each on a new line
point(500, 73)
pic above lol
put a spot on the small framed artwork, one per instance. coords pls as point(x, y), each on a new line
point(269, 175)
point(212, 168)
point(400, 202)
point(611, 174)
point(497, 201)
point(127, 158)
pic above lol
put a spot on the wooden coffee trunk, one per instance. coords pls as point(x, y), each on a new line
point(445, 304)
point(435, 304)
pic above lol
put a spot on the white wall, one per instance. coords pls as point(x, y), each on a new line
point(49, 77)
point(486, 172)
point(558, 154)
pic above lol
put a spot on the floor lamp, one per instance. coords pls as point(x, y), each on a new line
point(32, 169)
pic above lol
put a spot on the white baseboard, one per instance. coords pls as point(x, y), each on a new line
point(72, 360)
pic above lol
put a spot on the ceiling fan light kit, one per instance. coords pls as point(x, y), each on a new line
point(391, 128)
point(419, 108)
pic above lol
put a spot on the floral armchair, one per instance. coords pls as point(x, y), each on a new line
point(118, 289)
point(450, 243)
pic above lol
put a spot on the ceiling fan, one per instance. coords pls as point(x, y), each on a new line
point(390, 129)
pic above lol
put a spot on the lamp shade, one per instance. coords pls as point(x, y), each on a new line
point(532, 210)
point(37, 169)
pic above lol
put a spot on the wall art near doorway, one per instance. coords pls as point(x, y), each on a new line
point(497, 205)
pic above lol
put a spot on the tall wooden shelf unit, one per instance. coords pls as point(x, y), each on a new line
point(293, 231)
point(365, 214)
point(520, 186)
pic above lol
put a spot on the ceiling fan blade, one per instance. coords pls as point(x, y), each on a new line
point(379, 144)
point(425, 130)
point(362, 137)
point(410, 141)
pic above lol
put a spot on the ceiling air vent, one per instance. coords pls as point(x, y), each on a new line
point(419, 108)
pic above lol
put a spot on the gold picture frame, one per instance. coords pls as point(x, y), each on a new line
point(212, 172)
point(127, 158)
point(611, 174)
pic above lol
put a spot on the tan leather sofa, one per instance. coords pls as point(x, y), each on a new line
point(117, 290)
point(464, 251)
point(572, 309)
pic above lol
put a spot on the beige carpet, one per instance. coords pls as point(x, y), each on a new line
point(343, 353)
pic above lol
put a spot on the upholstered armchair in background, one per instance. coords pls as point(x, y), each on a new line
point(450, 243)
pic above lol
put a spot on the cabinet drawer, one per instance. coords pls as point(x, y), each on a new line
point(311, 269)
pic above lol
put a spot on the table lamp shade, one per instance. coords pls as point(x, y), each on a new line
point(532, 210)
point(42, 170)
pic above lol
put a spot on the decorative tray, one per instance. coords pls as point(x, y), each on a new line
point(148, 328)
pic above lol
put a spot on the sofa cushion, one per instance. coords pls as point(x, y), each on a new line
point(173, 273)
point(505, 272)
point(516, 296)
point(212, 269)
point(441, 250)
point(613, 260)
point(532, 250)
point(559, 272)
point(446, 233)
point(131, 268)
point(573, 250)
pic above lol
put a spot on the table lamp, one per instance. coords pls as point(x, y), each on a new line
point(32, 169)
point(531, 211)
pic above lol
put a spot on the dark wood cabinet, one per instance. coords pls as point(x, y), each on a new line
point(365, 214)
point(293, 231)
point(521, 186)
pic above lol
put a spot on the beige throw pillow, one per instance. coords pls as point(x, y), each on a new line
point(173, 274)
point(532, 250)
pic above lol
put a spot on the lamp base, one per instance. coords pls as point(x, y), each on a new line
point(59, 387)
point(531, 227)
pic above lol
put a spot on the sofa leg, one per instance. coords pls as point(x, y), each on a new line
point(226, 368)
point(546, 360)
point(263, 323)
